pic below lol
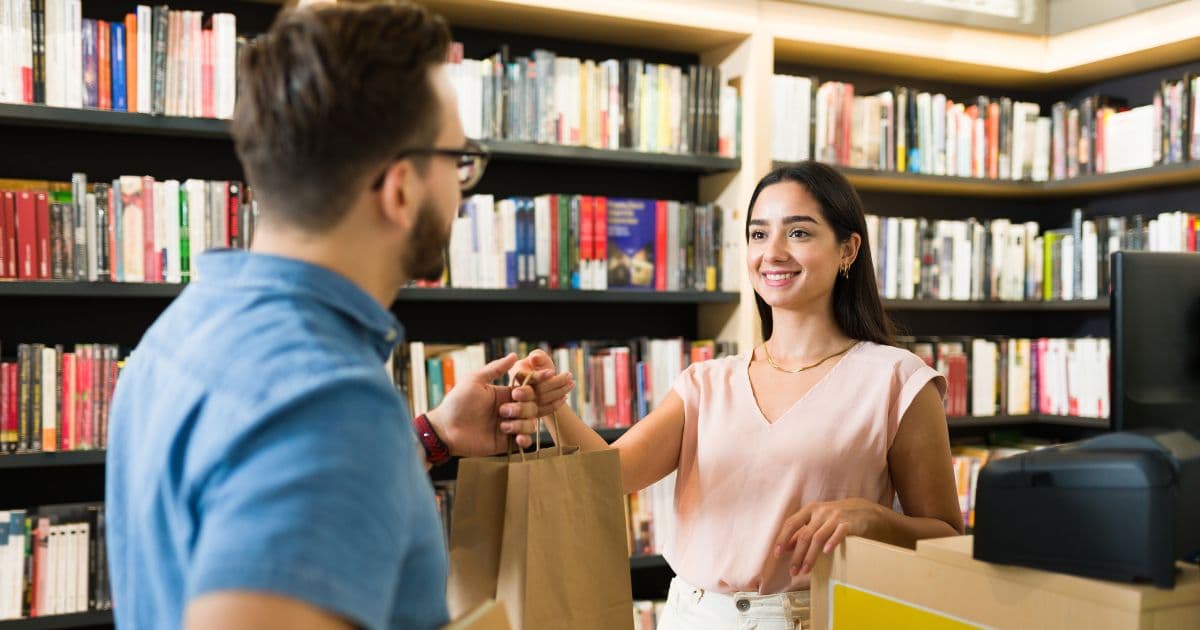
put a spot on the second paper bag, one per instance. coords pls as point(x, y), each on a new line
point(564, 557)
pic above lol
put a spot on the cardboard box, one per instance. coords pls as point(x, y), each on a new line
point(867, 585)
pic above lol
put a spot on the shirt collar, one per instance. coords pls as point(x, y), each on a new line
point(233, 268)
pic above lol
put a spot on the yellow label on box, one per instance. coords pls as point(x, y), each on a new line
point(856, 609)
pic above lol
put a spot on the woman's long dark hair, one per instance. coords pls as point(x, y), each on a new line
point(856, 304)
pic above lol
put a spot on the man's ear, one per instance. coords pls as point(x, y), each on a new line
point(400, 194)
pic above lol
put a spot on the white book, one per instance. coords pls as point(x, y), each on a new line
point(943, 246)
point(82, 549)
point(1036, 269)
point(52, 570)
point(1128, 139)
point(420, 388)
point(543, 236)
point(963, 267)
point(1041, 150)
point(1105, 409)
point(225, 81)
point(910, 267)
point(74, 50)
point(6, 574)
point(998, 231)
point(1014, 264)
point(983, 377)
point(460, 262)
point(507, 212)
point(197, 214)
point(978, 262)
point(1090, 251)
point(938, 117)
point(892, 255)
point(781, 88)
point(170, 208)
point(873, 248)
point(10, 598)
point(731, 249)
point(950, 117)
point(145, 30)
point(68, 580)
point(49, 400)
point(1068, 273)
point(1033, 268)
point(9, 67)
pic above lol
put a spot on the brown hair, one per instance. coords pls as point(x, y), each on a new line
point(327, 96)
point(856, 304)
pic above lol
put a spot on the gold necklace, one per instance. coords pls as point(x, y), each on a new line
point(806, 367)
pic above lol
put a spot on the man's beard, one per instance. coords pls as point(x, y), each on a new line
point(425, 256)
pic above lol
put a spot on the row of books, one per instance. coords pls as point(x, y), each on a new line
point(908, 130)
point(590, 243)
point(52, 400)
point(968, 460)
point(972, 259)
point(651, 513)
point(53, 561)
point(1014, 377)
point(134, 229)
point(155, 61)
point(615, 383)
point(611, 104)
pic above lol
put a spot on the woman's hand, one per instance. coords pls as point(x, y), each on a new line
point(550, 389)
point(820, 527)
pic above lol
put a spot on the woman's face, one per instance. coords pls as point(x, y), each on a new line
point(793, 254)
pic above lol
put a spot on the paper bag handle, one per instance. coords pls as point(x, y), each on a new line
point(537, 436)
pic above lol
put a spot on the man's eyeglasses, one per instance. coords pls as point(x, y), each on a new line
point(470, 161)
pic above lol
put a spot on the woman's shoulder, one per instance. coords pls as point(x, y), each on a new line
point(717, 369)
point(888, 358)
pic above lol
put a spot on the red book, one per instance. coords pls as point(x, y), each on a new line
point(1043, 391)
point(41, 202)
point(587, 223)
point(624, 399)
point(26, 236)
point(608, 374)
point(67, 424)
point(152, 263)
point(235, 203)
point(37, 587)
point(993, 141)
point(660, 245)
point(554, 243)
point(110, 364)
point(8, 243)
point(447, 373)
point(104, 62)
point(83, 377)
point(600, 250)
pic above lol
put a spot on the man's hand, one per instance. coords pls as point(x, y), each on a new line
point(477, 418)
point(551, 393)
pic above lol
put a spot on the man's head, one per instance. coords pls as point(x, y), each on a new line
point(338, 111)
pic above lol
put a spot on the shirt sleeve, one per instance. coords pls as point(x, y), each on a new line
point(315, 503)
point(912, 376)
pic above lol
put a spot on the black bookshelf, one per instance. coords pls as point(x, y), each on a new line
point(52, 460)
point(997, 306)
point(637, 563)
point(77, 621)
point(1024, 420)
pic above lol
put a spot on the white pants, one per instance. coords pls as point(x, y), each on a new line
point(691, 608)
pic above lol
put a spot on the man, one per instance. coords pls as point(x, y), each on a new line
point(262, 470)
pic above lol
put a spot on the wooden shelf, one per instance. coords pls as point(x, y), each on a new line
point(694, 26)
point(1009, 421)
point(991, 307)
point(52, 460)
point(53, 622)
point(563, 154)
point(1088, 185)
point(823, 36)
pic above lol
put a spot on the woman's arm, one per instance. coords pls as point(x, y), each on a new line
point(923, 474)
point(649, 449)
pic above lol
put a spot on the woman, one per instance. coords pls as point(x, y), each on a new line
point(785, 450)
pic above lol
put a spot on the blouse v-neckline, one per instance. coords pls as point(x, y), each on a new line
point(762, 417)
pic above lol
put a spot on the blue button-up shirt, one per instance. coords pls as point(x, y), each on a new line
point(257, 444)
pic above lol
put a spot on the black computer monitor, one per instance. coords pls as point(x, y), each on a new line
point(1155, 363)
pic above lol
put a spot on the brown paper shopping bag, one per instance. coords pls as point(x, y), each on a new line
point(564, 558)
point(489, 615)
point(476, 528)
point(545, 532)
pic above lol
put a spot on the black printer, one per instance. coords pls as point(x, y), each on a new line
point(1123, 506)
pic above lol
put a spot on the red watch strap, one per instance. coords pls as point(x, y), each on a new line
point(436, 451)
